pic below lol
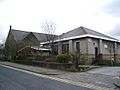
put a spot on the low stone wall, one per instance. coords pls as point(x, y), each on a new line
point(53, 65)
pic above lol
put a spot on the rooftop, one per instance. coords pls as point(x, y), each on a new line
point(20, 35)
point(83, 31)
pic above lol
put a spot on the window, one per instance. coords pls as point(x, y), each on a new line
point(65, 48)
point(105, 46)
point(78, 47)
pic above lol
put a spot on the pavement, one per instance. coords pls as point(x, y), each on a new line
point(96, 77)
point(18, 79)
point(103, 77)
point(45, 71)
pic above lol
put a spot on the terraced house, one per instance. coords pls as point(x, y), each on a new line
point(90, 46)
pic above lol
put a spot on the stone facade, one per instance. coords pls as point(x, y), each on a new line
point(17, 40)
point(91, 49)
point(91, 46)
point(10, 46)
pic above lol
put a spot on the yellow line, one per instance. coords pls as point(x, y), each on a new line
point(61, 80)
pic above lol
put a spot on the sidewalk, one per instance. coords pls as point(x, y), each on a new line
point(40, 70)
point(97, 77)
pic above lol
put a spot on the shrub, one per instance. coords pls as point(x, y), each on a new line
point(63, 58)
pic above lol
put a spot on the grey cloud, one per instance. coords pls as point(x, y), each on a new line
point(2, 1)
point(116, 31)
point(113, 8)
point(3, 32)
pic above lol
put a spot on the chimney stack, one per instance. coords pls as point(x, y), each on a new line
point(10, 27)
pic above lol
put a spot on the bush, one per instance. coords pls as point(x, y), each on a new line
point(64, 58)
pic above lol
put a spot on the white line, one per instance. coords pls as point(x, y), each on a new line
point(60, 80)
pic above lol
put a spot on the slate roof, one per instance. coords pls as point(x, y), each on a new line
point(20, 35)
point(83, 31)
point(44, 37)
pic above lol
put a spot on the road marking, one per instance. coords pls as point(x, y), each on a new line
point(60, 80)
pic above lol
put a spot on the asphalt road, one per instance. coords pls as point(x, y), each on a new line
point(16, 80)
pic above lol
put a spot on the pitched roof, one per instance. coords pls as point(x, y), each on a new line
point(83, 31)
point(44, 37)
point(20, 35)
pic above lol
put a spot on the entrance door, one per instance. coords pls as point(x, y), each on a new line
point(96, 53)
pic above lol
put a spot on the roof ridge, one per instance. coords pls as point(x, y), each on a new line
point(43, 33)
point(19, 30)
point(83, 28)
point(31, 31)
point(70, 30)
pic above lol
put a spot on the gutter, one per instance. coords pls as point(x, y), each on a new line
point(82, 36)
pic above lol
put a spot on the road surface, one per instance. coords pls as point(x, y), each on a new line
point(16, 80)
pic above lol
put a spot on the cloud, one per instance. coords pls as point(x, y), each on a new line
point(1, 30)
point(113, 8)
point(116, 31)
point(4, 29)
point(67, 14)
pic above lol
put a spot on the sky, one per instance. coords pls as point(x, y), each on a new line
point(28, 15)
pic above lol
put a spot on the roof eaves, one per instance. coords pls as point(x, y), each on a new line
point(22, 49)
point(100, 34)
point(98, 37)
point(64, 39)
point(82, 36)
point(42, 49)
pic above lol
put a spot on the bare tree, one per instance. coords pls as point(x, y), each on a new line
point(2, 49)
point(3, 42)
point(49, 27)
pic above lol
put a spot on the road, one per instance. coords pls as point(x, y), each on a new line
point(16, 80)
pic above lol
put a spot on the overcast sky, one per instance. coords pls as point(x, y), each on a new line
point(27, 15)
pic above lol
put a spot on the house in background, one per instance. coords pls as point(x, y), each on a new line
point(17, 40)
point(91, 46)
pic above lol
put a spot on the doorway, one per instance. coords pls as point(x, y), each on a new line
point(96, 54)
